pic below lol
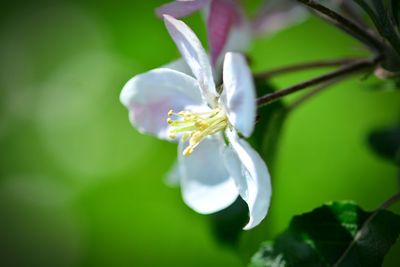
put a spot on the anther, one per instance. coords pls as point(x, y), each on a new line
point(188, 151)
point(186, 136)
point(195, 126)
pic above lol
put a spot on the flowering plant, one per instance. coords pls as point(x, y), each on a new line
point(209, 106)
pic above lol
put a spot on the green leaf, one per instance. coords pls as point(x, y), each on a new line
point(339, 234)
point(398, 165)
point(270, 121)
point(228, 224)
point(386, 142)
point(395, 9)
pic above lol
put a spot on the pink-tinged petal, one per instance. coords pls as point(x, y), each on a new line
point(276, 15)
point(239, 40)
point(251, 176)
point(195, 56)
point(180, 9)
point(151, 95)
point(222, 17)
point(239, 97)
point(206, 184)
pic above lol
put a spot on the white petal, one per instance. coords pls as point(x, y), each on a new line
point(239, 97)
point(181, 8)
point(179, 65)
point(206, 184)
point(194, 54)
point(252, 177)
point(149, 97)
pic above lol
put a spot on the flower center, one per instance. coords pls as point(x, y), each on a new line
point(195, 126)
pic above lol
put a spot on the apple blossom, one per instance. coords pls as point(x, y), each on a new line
point(215, 164)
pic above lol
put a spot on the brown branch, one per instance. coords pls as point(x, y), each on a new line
point(305, 66)
point(346, 23)
point(310, 94)
point(343, 71)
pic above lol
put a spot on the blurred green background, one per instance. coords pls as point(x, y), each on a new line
point(80, 187)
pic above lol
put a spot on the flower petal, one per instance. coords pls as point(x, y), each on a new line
point(222, 17)
point(179, 9)
point(252, 177)
point(206, 184)
point(194, 54)
point(276, 15)
point(149, 97)
point(239, 97)
point(179, 65)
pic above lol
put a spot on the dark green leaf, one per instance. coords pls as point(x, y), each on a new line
point(398, 165)
point(270, 120)
point(386, 142)
point(338, 234)
point(228, 223)
point(397, 84)
point(395, 9)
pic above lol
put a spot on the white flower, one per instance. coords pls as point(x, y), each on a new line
point(215, 165)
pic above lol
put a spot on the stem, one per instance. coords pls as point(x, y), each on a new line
point(348, 24)
point(306, 66)
point(389, 202)
point(345, 70)
point(392, 200)
point(350, 11)
point(310, 94)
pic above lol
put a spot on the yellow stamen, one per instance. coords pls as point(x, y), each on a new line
point(188, 150)
point(196, 126)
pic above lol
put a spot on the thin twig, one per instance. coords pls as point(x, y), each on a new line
point(343, 71)
point(305, 66)
point(351, 12)
point(310, 94)
point(346, 23)
point(393, 199)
